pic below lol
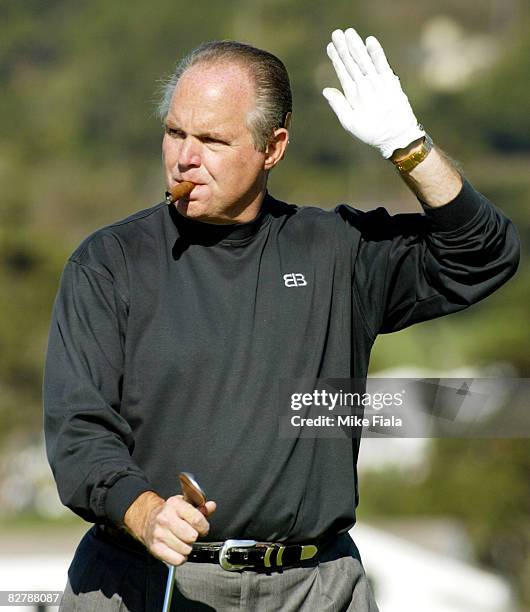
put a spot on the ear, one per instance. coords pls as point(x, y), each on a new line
point(276, 148)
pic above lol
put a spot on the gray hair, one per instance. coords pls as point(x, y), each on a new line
point(271, 81)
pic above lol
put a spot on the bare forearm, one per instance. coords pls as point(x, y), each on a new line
point(435, 180)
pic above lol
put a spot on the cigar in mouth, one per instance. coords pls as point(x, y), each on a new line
point(179, 191)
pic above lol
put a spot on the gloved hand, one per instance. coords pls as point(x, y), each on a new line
point(373, 107)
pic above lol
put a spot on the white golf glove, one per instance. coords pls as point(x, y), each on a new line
point(373, 107)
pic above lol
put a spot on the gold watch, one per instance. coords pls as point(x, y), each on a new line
point(411, 161)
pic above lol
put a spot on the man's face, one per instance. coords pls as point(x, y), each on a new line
point(207, 142)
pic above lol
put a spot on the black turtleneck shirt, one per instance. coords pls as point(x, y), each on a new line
point(169, 338)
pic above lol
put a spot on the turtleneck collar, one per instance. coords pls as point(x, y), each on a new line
point(209, 233)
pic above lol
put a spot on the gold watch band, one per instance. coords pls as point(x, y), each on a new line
point(410, 162)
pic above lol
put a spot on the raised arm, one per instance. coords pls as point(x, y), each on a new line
point(374, 109)
point(413, 267)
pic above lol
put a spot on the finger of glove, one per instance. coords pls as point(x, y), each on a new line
point(341, 49)
point(346, 81)
point(378, 56)
point(359, 53)
point(339, 105)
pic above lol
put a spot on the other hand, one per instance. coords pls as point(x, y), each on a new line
point(168, 528)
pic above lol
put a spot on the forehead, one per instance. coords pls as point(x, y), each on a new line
point(213, 95)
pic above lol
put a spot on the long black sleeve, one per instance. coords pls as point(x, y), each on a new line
point(88, 443)
point(413, 267)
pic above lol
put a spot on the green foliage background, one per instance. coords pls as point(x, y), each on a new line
point(80, 147)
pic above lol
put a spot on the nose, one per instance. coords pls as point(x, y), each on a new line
point(189, 154)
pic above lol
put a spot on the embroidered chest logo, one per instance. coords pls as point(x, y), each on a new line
point(294, 279)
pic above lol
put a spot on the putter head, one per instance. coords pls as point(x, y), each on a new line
point(191, 490)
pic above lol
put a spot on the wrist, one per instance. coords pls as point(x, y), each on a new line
point(138, 514)
point(403, 153)
point(406, 159)
point(402, 141)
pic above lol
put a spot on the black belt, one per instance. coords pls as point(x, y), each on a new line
point(233, 555)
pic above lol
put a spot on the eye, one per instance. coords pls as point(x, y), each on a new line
point(174, 132)
point(212, 141)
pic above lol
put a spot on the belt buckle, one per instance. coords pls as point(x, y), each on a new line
point(223, 553)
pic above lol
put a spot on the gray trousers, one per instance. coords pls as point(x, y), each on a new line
point(107, 577)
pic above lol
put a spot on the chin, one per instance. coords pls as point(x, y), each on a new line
point(191, 209)
point(187, 208)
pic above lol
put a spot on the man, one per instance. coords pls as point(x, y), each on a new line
point(172, 328)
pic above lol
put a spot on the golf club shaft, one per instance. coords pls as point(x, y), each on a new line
point(169, 588)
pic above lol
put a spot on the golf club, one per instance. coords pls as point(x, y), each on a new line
point(194, 495)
